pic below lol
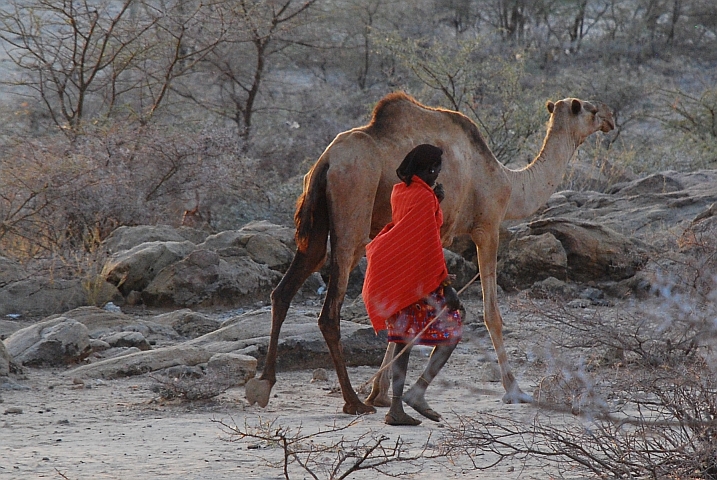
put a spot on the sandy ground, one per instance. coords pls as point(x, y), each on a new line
point(120, 429)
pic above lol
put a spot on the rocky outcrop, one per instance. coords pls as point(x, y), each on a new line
point(228, 268)
point(204, 278)
point(569, 250)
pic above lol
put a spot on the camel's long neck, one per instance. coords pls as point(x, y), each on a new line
point(533, 185)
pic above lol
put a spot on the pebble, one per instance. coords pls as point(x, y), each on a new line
point(319, 375)
point(13, 411)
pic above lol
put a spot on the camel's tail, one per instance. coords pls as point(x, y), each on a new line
point(312, 210)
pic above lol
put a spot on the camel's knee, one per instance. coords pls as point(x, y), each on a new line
point(329, 328)
point(279, 299)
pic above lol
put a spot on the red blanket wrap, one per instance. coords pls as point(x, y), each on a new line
point(405, 260)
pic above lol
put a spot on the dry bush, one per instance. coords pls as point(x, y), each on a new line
point(61, 198)
point(623, 395)
point(192, 387)
point(328, 453)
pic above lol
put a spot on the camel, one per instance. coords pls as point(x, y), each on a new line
point(346, 199)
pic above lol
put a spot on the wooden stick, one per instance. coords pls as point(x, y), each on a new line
point(413, 340)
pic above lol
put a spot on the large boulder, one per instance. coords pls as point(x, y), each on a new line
point(126, 238)
point(282, 233)
point(139, 363)
point(56, 342)
point(569, 250)
point(262, 242)
point(531, 258)
point(204, 278)
point(235, 369)
point(188, 323)
point(135, 268)
point(120, 332)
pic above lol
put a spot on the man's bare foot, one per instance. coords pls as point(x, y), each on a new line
point(358, 408)
point(401, 418)
point(416, 401)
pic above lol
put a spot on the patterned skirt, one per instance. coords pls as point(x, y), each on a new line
point(410, 321)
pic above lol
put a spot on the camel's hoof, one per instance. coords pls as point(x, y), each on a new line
point(258, 391)
point(378, 400)
point(517, 397)
point(358, 409)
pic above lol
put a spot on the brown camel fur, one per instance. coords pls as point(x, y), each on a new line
point(346, 199)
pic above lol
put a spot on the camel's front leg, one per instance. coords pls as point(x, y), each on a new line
point(487, 261)
point(382, 381)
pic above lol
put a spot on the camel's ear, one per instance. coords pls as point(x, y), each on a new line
point(550, 106)
point(576, 106)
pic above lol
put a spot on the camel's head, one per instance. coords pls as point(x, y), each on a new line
point(589, 116)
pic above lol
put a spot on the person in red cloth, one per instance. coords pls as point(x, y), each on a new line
point(407, 287)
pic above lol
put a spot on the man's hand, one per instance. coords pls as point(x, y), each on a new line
point(451, 296)
point(440, 193)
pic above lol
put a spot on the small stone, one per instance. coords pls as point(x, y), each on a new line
point(13, 411)
point(319, 375)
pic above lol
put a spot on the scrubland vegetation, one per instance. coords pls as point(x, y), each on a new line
point(128, 111)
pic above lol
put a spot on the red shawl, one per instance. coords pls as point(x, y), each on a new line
point(405, 260)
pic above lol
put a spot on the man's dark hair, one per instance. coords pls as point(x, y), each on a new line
point(419, 160)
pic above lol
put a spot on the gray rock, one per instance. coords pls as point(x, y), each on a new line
point(258, 240)
point(10, 271)
point(8, 327)
point(135, 268)
point(100, 323)
point(234, 368)
point(205, 279)
point(53, 342)
point(551, 287)
point(463, 269)
point(37, 297)
point(5, 360)
point(127, 340)
point(188, 323)
point(125, 238)
point(138, 363)
point(569, 249)
point(301, 344)
point(531, 258)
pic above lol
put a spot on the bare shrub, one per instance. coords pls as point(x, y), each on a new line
point(665, 428)
point(192, 387)
point(60, 197)
point(329, 453)
point(625, 396)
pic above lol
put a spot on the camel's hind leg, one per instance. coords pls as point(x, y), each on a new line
point(303, 265)
point(329, 323)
